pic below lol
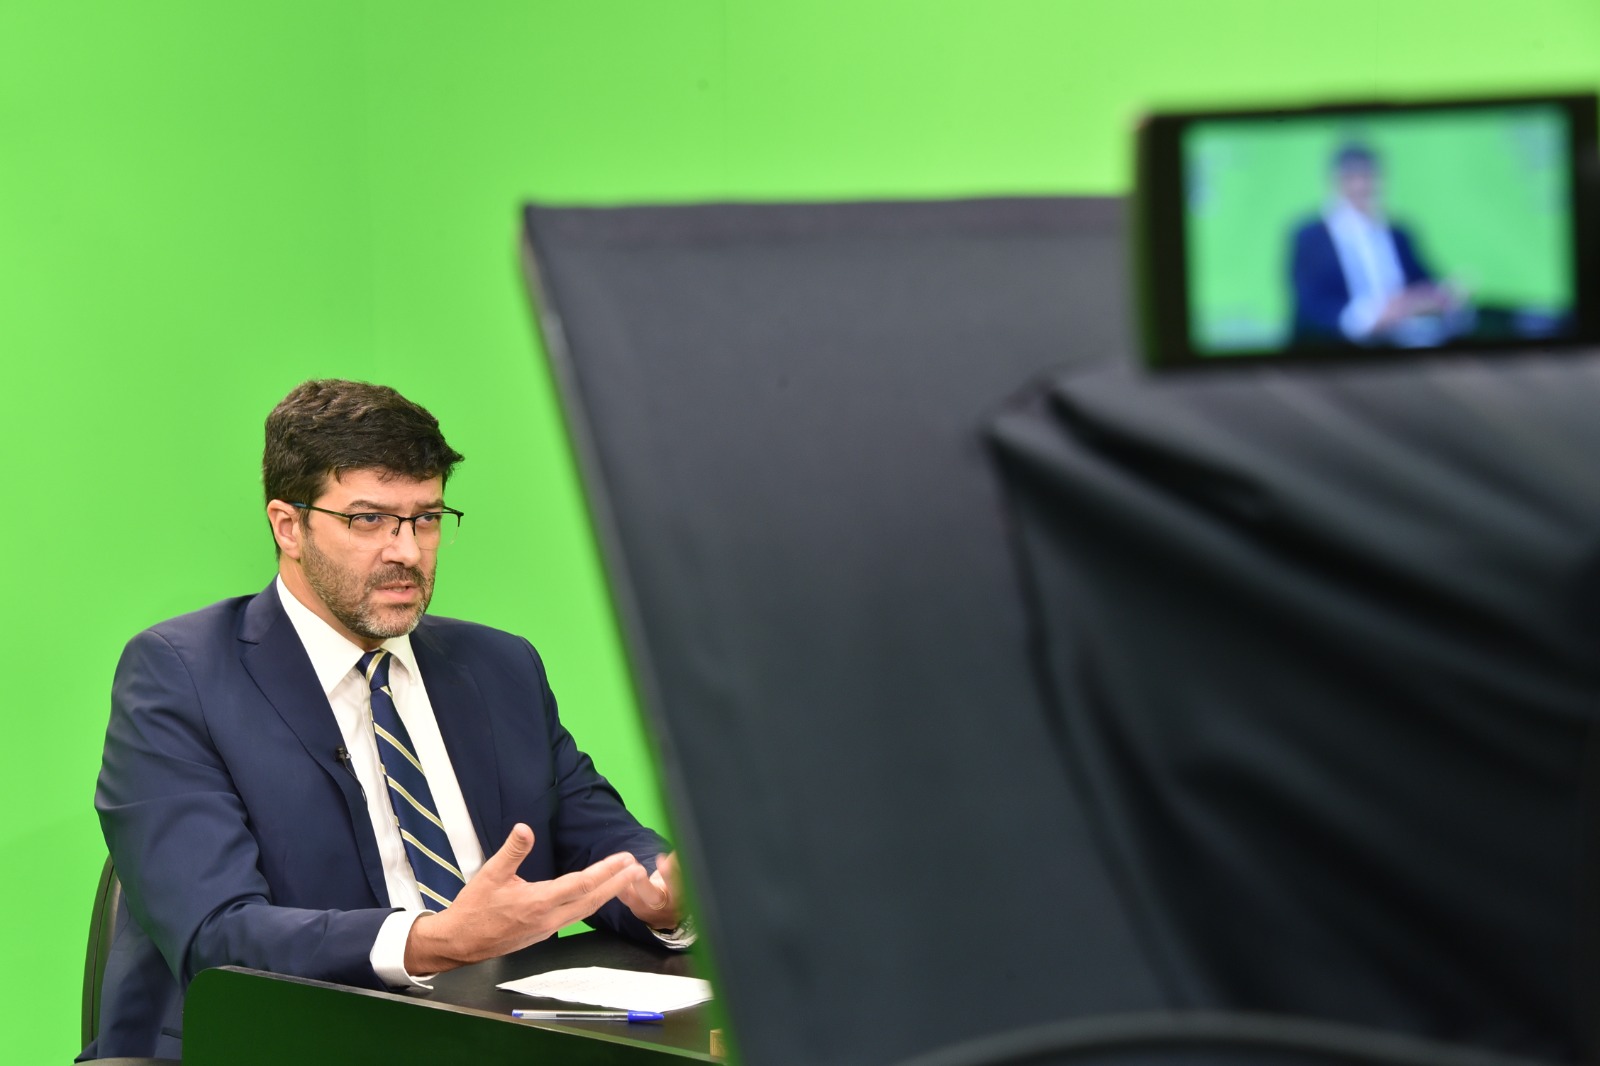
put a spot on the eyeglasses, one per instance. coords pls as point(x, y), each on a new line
point(433, 530)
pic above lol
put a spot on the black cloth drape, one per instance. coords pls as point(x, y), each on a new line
point(1323, 652)
point(781, 409)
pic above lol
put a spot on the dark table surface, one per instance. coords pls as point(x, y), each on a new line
point(474, 987)
point(241, 1017)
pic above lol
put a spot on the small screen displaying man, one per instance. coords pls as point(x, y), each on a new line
point(323, 780)
point(1358, 277)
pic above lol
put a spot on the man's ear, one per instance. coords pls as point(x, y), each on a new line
point(286, 527)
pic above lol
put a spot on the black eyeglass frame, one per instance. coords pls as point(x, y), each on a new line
point(399, 520)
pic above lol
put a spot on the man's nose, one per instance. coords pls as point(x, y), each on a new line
point(403, 547)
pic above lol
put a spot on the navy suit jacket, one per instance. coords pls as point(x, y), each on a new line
point(242, 840)
point(1320, 290)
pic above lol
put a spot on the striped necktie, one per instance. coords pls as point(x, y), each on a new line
point(433, 863)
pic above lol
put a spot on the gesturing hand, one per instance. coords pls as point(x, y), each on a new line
point(498, 912)
point(655, 901)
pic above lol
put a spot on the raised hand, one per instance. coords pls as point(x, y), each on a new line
point(498, 912)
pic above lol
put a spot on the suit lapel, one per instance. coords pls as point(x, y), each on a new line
point(1331, 252)
point(275, 659)
point(463, 717)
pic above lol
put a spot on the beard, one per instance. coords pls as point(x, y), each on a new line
point(348, 595)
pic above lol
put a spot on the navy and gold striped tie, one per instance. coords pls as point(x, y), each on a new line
point(433, 863)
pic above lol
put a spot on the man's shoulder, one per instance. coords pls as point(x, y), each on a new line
point(217, 619)
point(458, 634)
point(1400, 231)
point(484, 651)
point(205, 639)
point(1310, 227)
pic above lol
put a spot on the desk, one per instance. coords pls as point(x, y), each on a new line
point(239, 1017)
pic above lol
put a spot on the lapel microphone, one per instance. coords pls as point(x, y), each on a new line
point(343, 756)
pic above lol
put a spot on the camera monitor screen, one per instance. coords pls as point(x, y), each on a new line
point(1368, 229)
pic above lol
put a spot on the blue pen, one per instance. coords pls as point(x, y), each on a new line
point(589, 1015)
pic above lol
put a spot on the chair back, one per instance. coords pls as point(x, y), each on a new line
point(102, 928)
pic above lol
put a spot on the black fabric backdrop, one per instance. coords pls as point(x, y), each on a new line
point(905, 829)
point(1322, 647)
point(781, 413)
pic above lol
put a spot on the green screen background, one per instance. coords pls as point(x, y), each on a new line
point(202, 204)
point(1484, 193)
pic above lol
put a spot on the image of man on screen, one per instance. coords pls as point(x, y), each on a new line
point(1358, 278)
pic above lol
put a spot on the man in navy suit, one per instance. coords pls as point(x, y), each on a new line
point(245, 797)
point(1357, 277)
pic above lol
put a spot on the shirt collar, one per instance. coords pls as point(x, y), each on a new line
point(332, 654)
point(1343, 215)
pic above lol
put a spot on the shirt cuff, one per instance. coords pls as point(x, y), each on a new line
point(388, 955)
point(680, 937)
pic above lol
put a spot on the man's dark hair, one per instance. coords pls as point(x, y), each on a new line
point(326, 427)
point(1354, 154)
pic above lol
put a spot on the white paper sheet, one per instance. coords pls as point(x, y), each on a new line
point(603, 986)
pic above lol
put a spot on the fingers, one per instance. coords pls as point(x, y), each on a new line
point(498, 912)
point(667, 867)
point(581, 893)
point(605, 879)
point(502, 865)
point(648, 895)
point(664, 881)
point(655, 900)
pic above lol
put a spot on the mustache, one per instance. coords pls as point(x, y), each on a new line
point(395, 574)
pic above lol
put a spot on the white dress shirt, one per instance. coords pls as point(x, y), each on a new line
point(1371, 267)
point(334, 658)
